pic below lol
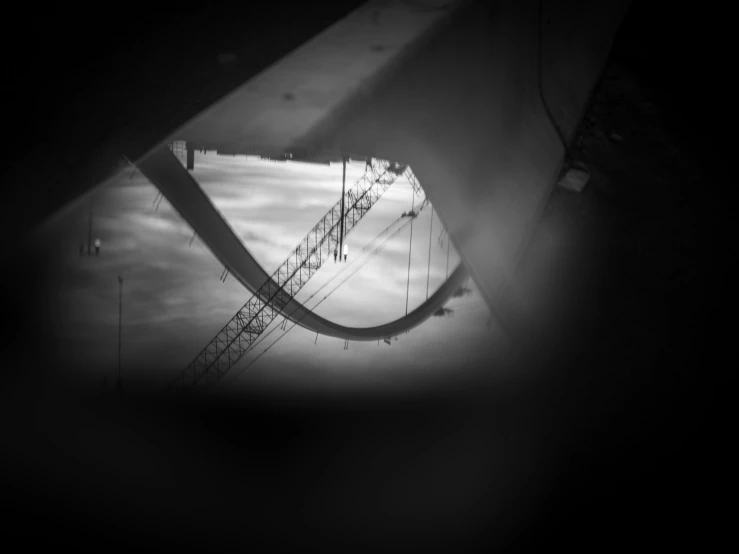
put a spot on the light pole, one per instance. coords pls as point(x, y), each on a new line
point(428, 272)
point(120, 314)
point(343, 188)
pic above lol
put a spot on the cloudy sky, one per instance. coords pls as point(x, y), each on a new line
point(174, 302)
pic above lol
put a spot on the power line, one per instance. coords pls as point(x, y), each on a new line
point(310, 310)
point(410, 246)
point(346, 268)
point(364, 249)
point(235, 338)
point(428, 271)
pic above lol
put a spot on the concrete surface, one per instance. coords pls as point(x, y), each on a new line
point(276, 109)
point(89, 86)
point(456, 94)
point(451, 87)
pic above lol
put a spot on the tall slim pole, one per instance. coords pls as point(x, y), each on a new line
point(428, 271)
point(448, 240)
point(120, 316)
point(341, 234)
point(410, 246)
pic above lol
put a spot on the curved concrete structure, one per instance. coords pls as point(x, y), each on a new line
point(183, 192)
point(480, 97)
point(513, 78)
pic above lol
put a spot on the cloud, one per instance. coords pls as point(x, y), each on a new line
point(174, 301)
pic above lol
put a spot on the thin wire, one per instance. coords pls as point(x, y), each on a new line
point(442, 236)
point(283, 323)
point(428, 271)
point(311, 310)
point(346, 268)
point(410, 246)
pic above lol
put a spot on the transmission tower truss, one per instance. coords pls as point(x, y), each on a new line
point(412, 180)
point(179, 149)
point(237, 336)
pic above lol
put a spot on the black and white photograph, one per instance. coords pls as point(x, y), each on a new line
point(378, 276)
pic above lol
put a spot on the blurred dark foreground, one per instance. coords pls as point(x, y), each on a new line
point(459, 470)
point(577, 446)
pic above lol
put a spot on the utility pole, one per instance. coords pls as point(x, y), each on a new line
point(428, 272)
point(343, 186)
point(410, 246)
point(120, 314)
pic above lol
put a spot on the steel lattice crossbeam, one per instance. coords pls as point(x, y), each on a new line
point(234, 340)
point(412, 180)
point(179, 149)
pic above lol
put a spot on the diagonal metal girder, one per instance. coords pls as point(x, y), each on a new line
point(237, 336)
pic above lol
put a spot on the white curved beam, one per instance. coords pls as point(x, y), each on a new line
point(186, 196)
